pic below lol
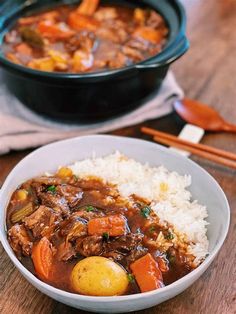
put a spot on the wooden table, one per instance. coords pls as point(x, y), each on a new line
point(208, 73)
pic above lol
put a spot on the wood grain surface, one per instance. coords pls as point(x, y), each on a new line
point(208, 73)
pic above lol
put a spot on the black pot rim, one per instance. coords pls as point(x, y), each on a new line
point(169, 54)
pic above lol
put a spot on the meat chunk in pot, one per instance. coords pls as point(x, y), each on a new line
point(55, 201)
point(43, 221)
point(106, 14)
point(63, 197)
point(20, 240)
point(65, 251)
point(136, 253)
point(83, 40)
point(73, 228)
point(124, 244)
point(71, 194)
point(132, 53)
point(89, 246)
point(88, 215)
point(120, 247)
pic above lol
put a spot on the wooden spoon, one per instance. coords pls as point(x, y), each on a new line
point(201, 115)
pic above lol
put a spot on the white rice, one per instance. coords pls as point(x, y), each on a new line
point(166, 190)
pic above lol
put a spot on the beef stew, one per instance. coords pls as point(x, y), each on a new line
point(86, 38)
point(56, 222)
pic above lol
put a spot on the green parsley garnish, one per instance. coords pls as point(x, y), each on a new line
point(51, 188)
point(105, 235)
point(152, 229)
point(169, 236)
point(145, 211)
point(90, 208)
point(130, 278)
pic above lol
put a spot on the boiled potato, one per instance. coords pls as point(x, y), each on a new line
point(99, 276)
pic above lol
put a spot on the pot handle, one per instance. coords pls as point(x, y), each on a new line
point(166, 57)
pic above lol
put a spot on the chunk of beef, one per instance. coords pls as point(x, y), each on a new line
point(136, 253)
point(106, 13)
point(89, 246)
point(125, 243)
point(119, 247)
point(65, 251)
point(107, 33)
point(88, 215)
point(120, 61)
point(55, 201)
point(138, 44)
point(116, 256)
point(83, 40)
point(73, 227)
point(19, 240)
point(64, 196)
point(132, 53)
point(43, 221)
point(72, 194)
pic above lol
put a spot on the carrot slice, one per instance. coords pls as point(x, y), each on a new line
point(147, 273)
point(55, 31)
point(78, 22)
point(42, 257)
point(88, 7)
point(111, 225)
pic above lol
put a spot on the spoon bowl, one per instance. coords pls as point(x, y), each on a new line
point(199, 114)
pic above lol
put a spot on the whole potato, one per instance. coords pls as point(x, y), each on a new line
point(99, 276)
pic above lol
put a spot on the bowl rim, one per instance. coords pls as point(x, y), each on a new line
point(99, 299)
point(180, 36)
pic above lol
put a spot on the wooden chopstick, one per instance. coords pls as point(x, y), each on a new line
point(197, 149)
point(200, 153)
point(205, 148)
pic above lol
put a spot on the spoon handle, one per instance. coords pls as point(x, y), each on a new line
point(228, 127)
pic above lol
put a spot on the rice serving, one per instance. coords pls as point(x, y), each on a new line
point(167, 191)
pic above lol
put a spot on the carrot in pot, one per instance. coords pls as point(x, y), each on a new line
point(88, 7)
point(78, 22)
point(147, 273)
point(42, 256)
point(55, 31)
point(111, 225)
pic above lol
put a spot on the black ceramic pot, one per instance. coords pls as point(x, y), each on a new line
point(92, 96)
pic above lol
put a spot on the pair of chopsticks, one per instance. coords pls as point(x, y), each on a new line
point(214, 154)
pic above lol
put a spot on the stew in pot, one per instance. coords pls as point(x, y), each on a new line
point(86, 38)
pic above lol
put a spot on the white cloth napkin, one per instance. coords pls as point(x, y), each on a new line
point(21, 128)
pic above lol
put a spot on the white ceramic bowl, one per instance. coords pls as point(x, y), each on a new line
point(204, 188)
